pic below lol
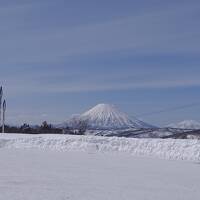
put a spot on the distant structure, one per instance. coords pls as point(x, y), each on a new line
point(2, 118)
point(1, 96)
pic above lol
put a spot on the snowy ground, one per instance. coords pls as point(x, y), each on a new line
point(52, 175)
point(35, 168)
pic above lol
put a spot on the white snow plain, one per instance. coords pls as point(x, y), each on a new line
point(59, 167)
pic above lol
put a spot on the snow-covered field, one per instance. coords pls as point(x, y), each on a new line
point(51, 175)
point(58, 167)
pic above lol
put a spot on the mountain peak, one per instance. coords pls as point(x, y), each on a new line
point(104, 106)
point(103, 109)
point(108, 116)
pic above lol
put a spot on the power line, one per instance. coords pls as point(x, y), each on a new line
point(170, 109)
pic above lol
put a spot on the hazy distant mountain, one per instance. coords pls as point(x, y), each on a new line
point(186, 124)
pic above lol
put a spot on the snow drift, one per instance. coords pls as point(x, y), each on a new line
point(166, 149)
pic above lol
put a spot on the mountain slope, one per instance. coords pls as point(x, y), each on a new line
point(105, 116)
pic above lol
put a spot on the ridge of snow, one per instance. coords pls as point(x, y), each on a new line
point(186, 124)
point(106, 116)
point(175, 149)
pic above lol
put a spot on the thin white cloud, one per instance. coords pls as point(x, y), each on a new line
point(165, 31)
point(17, 87)
point(153, 84)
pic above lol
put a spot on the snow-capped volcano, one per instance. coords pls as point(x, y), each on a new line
point(186, 124)
point(105, 116)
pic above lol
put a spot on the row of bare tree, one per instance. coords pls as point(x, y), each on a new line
point(77, 127)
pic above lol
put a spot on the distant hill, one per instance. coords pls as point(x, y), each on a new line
point(186, 124)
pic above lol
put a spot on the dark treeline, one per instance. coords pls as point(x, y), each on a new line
point(79, 129)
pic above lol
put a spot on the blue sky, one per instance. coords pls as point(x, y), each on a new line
point(62, 57)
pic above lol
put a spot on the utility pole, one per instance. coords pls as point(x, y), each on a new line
point(4, 116)
point(1, 95)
